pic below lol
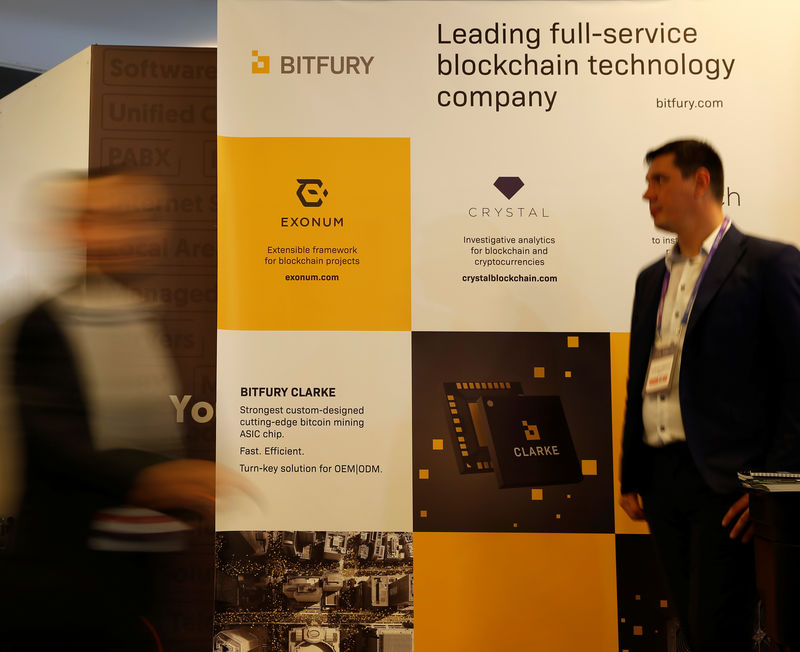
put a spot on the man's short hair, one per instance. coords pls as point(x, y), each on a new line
point(690, 156)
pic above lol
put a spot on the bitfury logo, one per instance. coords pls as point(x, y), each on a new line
point(304, 64)
point(260, 65)
point(310, 192)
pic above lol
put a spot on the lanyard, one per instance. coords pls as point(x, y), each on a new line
point(665, 283)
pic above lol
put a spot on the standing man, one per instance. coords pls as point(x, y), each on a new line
point(713, 388)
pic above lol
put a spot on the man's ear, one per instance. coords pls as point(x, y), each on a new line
point(702, 181)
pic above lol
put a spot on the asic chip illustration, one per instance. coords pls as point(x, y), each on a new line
point(529, 441)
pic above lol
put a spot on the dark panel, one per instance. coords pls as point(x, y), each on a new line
point(154, 110)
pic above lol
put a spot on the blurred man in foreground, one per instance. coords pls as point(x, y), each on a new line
point(102, 482)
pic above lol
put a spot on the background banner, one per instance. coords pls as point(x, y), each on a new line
point(430, 224)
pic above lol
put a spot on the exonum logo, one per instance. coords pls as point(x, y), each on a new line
point(310, 192)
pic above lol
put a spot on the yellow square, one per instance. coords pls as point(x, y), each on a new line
point(423, 513)
point(637, 597)
point(663, 604)
point(438, 444)
point(537, 494)
point(637, 630)
point(464, 453)
point(262, 203)
point(567, 374)
point(573, 341)
point(538, 372)
point(424, 474)
point(558, 515)
point(589, 467)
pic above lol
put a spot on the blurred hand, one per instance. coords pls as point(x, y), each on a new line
point(632, 506)
point(740, 513)
point(177, 485)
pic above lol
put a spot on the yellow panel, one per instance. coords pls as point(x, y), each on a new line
point(424, 474)
point(554, 592)
point(537, 494)
point(538, 372)
point(567, 374)
point(367, 181)
point(438, 444)
point(423, 513)
point(573, 341)
point(589, 467)
point(663, 604)
point(620, 343)
point(464, 453)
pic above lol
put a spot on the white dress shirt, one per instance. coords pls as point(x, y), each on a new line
point(661, 411)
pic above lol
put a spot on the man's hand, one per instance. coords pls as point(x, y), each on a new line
point(740, 512)
point(633, 508)
point(179, 484)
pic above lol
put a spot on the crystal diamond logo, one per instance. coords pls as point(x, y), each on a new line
point(509, 186)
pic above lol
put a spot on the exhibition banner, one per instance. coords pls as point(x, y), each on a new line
point(430, 224)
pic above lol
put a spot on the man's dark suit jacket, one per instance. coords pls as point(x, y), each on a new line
point(740, 367)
